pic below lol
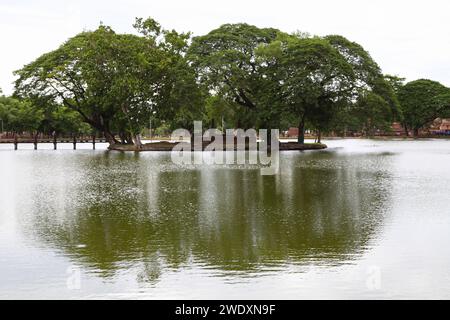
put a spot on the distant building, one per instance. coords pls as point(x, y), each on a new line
point(440, 127)
point(437, 127)
point(445, 125)
point(292, 133)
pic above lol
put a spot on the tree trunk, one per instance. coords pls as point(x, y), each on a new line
point(109, 137)
point(125, 138)
point(416, 132)
point(301, 130)
point(406, 130)
point(319, 136)
point(129, 139)
point(122, 137)
point(137, 141)
point(103, 127)
point(239, 124)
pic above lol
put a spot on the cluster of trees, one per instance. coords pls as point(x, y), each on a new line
point(423, 101)
point(24, 115)
point(236, 76)
point(116, 82)
point(273, 80)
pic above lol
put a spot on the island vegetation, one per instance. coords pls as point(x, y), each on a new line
point(236, 76)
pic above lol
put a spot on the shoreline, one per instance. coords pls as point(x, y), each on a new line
point(168, 146)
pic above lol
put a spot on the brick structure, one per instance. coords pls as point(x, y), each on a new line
point(445, 125)
point(439, 127)
point(292, 132)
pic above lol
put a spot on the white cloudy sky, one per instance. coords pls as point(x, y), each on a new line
point(410, 38)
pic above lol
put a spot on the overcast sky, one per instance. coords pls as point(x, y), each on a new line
point(409, 38)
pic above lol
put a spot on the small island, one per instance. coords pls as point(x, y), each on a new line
point(168, 146)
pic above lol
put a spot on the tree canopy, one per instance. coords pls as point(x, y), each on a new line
point(237, 76)
point(319, 76)
point(115, 81)
point(227, 65)
point(423, 101)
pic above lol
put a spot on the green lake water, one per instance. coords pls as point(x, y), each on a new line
point(364, 219)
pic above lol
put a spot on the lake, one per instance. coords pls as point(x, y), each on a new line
point(364, 219)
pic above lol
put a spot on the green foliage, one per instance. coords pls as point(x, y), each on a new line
point(269, 78)
point(317, 77)
point(422, 101)
point(237, 75)
point(218, 111)
point(163, 130)
point(226, 63)
point(65, 121)
point(115, 81)
point(372, 112)
point(396, 82)
point(26, 116)
point(19, 116)
point(386, 89)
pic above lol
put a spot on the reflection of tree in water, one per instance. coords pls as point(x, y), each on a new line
point(130, 210)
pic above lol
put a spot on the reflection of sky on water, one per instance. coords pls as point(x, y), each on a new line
point(137, 225)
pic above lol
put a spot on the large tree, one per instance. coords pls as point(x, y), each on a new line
point(227, 65)
point(115, 81)
point(317, 76)
point(423, 101)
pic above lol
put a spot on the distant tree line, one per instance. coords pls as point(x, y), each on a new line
point(236, 76)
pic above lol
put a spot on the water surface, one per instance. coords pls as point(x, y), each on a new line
point(363, 219)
